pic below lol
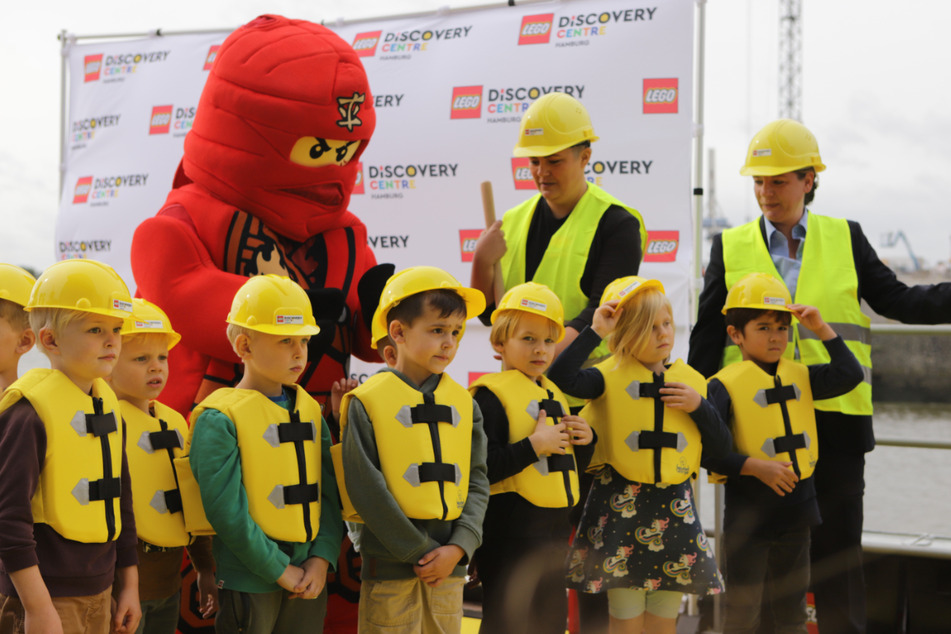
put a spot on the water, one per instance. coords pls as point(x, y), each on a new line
point(905, 488)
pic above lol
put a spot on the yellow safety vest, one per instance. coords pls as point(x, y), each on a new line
point(552, 481)
point(280, 459)
point(643, 439)
point(828, 281)
point(773, 416)
point(564, 260)
point(428, 480)
point(154, 441)
point(79, 487)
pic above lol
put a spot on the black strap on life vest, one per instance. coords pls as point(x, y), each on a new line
point(558, 462)
point(303, 493)
point(169, 440)
point(106, 489)
point(430, 414)
point(657, 438)
point(789, 442)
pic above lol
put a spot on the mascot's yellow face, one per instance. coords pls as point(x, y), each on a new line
point(311, 151)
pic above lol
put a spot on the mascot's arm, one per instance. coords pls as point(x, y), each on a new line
point(173, 269)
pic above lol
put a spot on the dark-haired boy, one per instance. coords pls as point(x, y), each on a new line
point(770, 496)
point(414, 460)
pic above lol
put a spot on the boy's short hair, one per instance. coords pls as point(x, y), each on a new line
point(443, 300)
point(234, 330)
point(14, 314)
point(739, 317)
point(381, 345)
point(55, 319)
point(507, 321)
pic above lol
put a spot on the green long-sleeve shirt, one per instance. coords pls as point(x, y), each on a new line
point(390, 542)
point(247, 559)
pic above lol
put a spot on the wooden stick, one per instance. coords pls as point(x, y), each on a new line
point(488, 210)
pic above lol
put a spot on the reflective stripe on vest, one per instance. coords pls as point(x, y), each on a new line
point(551, 481)
point(828, 281)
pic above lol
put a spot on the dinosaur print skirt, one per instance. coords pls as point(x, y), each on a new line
point(638, 535)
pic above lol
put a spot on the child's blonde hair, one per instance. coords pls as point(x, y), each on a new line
point(14, 314)
point(505, 323)
point(142, 337)
point(54, 319)
point(234, 330)
point(633, 329)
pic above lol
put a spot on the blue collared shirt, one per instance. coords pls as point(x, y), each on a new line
point(786, 266)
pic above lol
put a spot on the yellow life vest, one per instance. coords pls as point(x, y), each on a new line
point(428, 480)
point(280, 459)
point(643, 439)
point(552, 481)
point(154, 441)
point(79, 487)
point(564, 260)
point(827, 280)
point(773, 416)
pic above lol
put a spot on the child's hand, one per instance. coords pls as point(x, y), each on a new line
point(207, 593)
point(438, 564)
point(337, 390)
point(548, 439)
point(605, 318)
point(680, 396)
point(315, 576)
point(128, 611)
point(291, 577)
point(809, 317)
point(579, 431)
point(776, 475)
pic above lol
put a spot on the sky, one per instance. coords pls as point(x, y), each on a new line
point(875, 93)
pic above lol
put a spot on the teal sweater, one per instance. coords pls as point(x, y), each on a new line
point(247, 559)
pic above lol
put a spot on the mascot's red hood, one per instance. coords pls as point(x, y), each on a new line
point(274, 81)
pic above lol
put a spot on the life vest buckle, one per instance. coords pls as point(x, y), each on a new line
point(638, 390)
point(277, 433)
point(770, 396)
point(786, 444)
point(96, 491)
point(426, 413)
point(281, 495)
point(417, 473)
point(95, 424)
point(152, 441)
point(167, 501)
point(645, 439)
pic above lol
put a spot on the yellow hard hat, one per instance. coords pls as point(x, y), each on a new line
point(15, 284)
point(84, 285)
point(624, 289)
point(537, 299)
point(782, 146)
point(418, 279)
point(552, 123)
point(149, 319)
point(274, 305)
point(758, 290)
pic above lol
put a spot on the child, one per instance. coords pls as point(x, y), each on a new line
point(65, 495)
point(264, 471)
point(157, 435)
point(770, 496)
point(531, 468)
point(639, 538)
point(414, 458)
point(16, 336)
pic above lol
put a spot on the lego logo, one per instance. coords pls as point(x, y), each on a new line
point(161, 118)
point(365, 43)
point(536, 28)
point(661, 95)
point(83, 189)
point(466, 101)
point(93, 66)
point(523, 174)
point(660, 247)
point(468, 245)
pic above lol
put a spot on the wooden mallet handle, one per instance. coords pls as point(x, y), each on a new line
point(488, 210)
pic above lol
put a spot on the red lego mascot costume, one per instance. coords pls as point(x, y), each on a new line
point(264, 187)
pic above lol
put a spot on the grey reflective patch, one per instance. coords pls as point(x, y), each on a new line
point(78, 423)
point(633, 441)
point(158, 502)
point(276, 497)
point(458, 474)
point(533, 409)
point(760, 398)
point(412, 475)
point(542, 465)
point(634, 390)
point(681, 442)
point(271, 436)
point(81, 491)
point(866, 375)
point(455, 416)
point(769, 447)
point(405, 416)
point(808, 440)
point(313, 427)
point(145, 442)
point(796, 391)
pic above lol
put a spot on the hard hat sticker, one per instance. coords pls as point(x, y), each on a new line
point(118, 304)
point(763, 152)
point(774, 301)
point(151, 324)
point(527, 303)
point(289, 319)
point(534, 131)
point(628, 289)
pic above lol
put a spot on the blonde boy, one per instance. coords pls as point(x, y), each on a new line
point(16, 336)
point(264, 470)
point(65, 494)
point(414, 458)
point(157, 435)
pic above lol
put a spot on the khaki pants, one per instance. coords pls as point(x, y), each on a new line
point(80, 615)
point(409, 606)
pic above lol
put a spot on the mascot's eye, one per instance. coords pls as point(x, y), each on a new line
point(316, 152)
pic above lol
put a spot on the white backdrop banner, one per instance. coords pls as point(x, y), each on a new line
point(450, 90)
